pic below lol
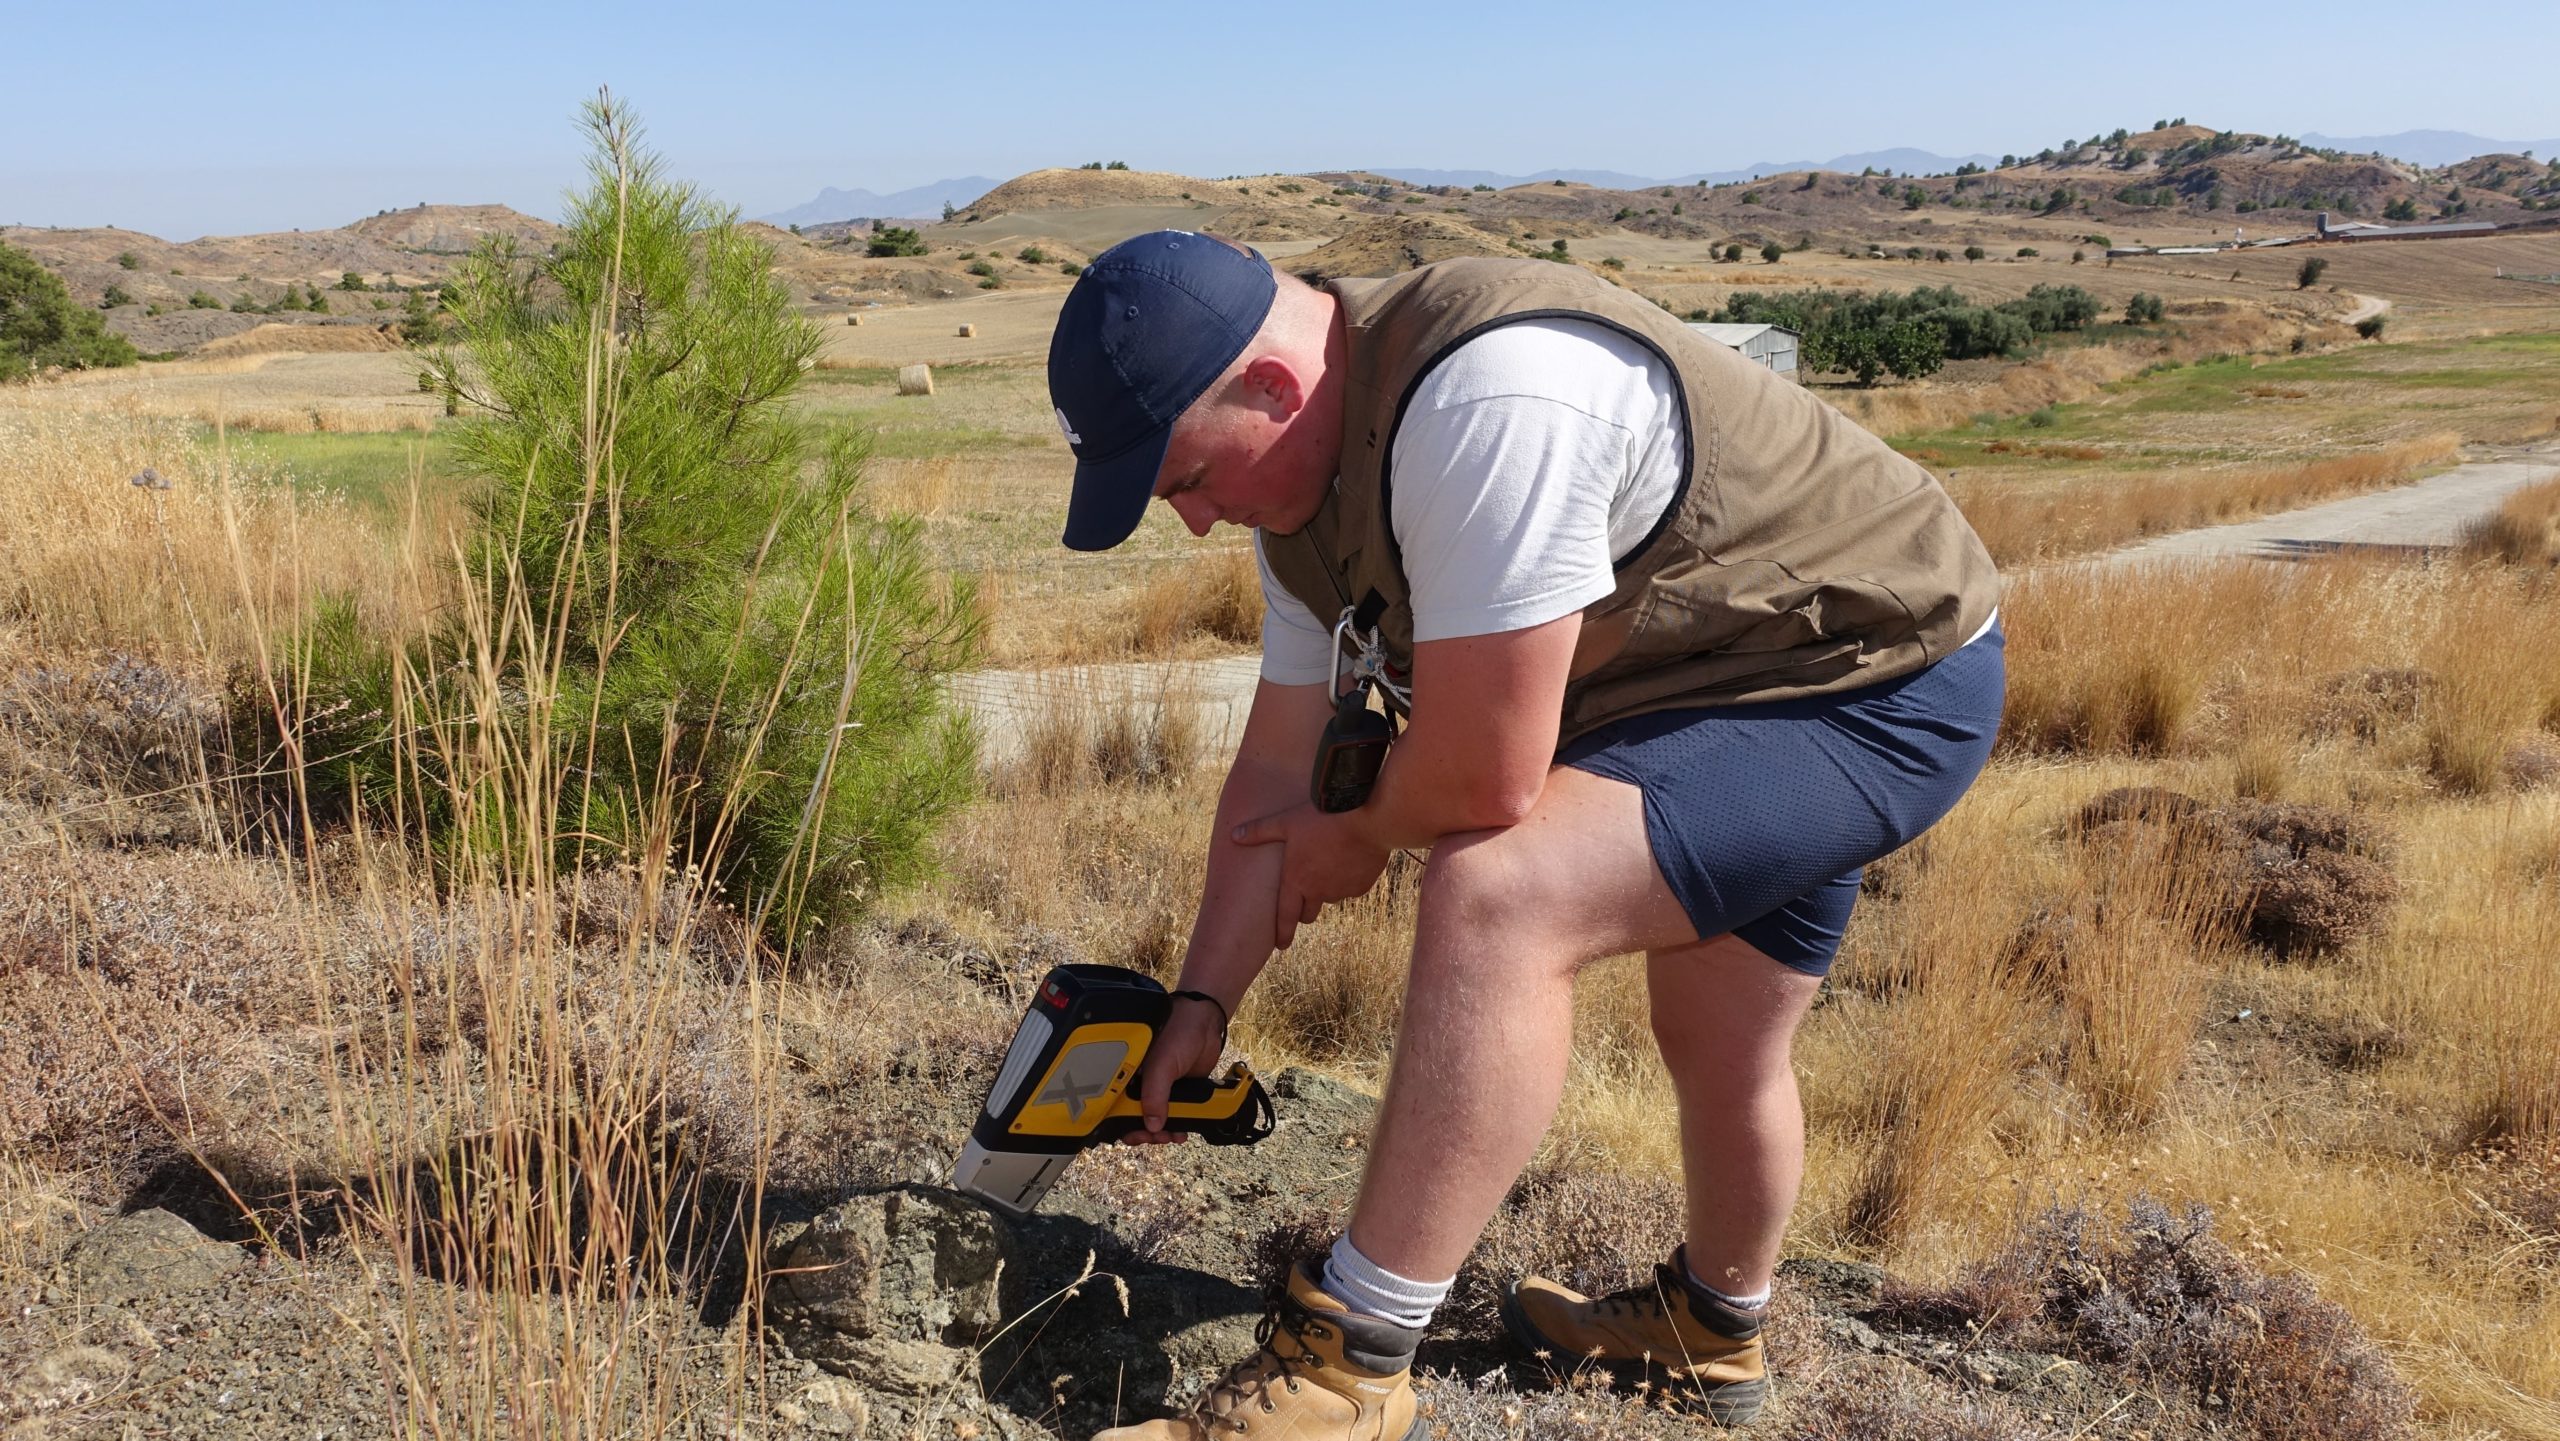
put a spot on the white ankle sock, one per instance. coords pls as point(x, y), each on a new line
point(1372, 1290)
point(1752, 1302)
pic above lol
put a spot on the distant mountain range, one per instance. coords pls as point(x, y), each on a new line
point(1900, 161)
point(2432, 147)
point(2418, 147)
point(923, 202)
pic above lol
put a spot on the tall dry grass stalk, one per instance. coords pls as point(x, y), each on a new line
point(2475, 960)
point(1953, 1025)
point(1092, 727)
point(542, 1187)
point(2134, 964)
point(2524, 531)
point(1217, 596)
point(2024, 522)
point(2149, 660)
point(200, 556)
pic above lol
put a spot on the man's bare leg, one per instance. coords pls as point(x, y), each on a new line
point(1508, 918)
point(1725, 1016)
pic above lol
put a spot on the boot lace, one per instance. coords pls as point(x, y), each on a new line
point(1248, 1382)
point(1645, 1298)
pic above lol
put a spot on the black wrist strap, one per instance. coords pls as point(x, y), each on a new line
point(1212, 1000)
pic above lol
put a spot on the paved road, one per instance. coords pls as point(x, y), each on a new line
point(1008, 703)
point(2428, 515)
point(2411, 519)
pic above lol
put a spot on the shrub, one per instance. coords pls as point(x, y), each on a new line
point(982, 268)
point(421, 319)
point(2309, 275)
point(1613, 262)
point(2144, 308)
point(202, 301)
point(2176, 1306)
point(1032, 255)
point(2370, 328)
point(1069, 267)
point(129, 260)
point(1974, 252)
point(895, 240)
point(41, 326)
point(116, 295)
point(1733, 251)
point(729, 638)
point(2028, 252)
point(1771, 251)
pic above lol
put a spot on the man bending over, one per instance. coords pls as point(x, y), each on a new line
point(1679, 650)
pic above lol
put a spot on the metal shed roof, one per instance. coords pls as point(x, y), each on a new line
point(1738, 336)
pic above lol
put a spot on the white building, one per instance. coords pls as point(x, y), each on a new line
point(1771, 345)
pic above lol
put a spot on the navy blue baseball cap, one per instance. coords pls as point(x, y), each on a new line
point(1150, 324)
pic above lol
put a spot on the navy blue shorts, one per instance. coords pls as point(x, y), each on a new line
point(1761, 817)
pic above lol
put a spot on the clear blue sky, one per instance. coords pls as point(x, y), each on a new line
point(186, 119)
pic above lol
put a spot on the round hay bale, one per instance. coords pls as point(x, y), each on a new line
point(968, 332)
point(915, 380)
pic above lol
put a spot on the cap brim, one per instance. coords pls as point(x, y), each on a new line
point(1110, 496)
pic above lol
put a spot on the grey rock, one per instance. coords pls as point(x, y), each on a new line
point(835, 1407)
point(1857, 1335)
point(894, 1289)
point(149, 1253)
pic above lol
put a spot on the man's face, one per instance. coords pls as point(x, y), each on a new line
point(1235, 457)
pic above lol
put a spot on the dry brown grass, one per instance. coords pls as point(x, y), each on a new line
point(2026, 523)
point(205, 566)
point(1217, 596)
point(2525, 530)
point(1087, 730)
point(2160, 659)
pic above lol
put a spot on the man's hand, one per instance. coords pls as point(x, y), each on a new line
point(1323, 858)
point(1189, 1045)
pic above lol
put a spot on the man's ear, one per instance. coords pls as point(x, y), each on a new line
point(1272, 384)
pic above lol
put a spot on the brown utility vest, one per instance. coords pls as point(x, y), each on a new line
point(1802, 556)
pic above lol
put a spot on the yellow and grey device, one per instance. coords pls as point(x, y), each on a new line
point(1067, 1083)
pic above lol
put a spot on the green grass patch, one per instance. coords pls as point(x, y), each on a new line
point(905, 430)
point(370, 468)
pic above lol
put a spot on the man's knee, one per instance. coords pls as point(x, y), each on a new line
point(1494, 900)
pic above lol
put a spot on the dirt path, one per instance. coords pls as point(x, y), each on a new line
point(2367, 307)
point(2429, 515)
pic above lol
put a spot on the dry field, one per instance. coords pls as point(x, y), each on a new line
point(2306, 979)
point(2315, 994)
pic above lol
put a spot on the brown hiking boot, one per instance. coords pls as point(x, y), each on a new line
point(1322, 1374)
point(1666, 1335)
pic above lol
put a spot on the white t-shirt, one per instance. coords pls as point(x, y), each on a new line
point(1530, 461)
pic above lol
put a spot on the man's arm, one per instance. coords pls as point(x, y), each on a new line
point(1231, 937)
point(1486, 713)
